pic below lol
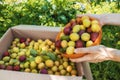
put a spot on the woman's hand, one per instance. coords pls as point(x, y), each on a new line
point(95, 54)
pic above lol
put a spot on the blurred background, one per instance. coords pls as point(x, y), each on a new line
point(56, 13)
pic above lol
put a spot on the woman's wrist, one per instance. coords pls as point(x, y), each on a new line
point(114, 54)
point(104, 19)
point(110, 19)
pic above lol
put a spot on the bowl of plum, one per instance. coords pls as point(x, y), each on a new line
point(78, 33)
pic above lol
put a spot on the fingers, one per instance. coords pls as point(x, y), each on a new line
point(92, 49)
point(83, 60)
point(81, 50)
point(87, 59)
point(96, 54)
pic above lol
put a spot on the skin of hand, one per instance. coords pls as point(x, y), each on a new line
point(95, 54)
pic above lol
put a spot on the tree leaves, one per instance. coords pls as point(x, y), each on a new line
point(49, 55)
point(33, 52)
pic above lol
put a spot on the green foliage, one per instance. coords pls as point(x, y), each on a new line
point(33, 52)
point(107, 70)
point(49, 55)
point(52, 56)
point(36, 12)
point(58, 13)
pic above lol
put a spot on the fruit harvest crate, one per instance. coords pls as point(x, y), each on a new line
point(35, 33)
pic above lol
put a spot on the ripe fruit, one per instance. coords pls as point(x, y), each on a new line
point(67, 74)
point(34, 71)
point(38, 59)
point(13, 55)
point(40, 41)
point(63, 72)
point(22, 58)
point(50, 72)
point(78, 20)
point(71, 43)
point(73, 22)
point(6, 54)
point(74, 37)
point(89, 43)
point(81, 32)
point(21, 53)
point(76, 28)
point(61, 67)
point(54, 68)
point(65, 64)
point(57, 73)
point(58, 44)
point(49, 42)
point(21, 65)
point(16, 68)
point(84, 17)
point(65, 59)
point(11, 61)
point(95, 22)
point(6, 59)
point(57, 63)
point(67, 30)
point(86, 23)
point(64, 44)
point(49, 63)
point(70, 50)
point(73, 72)
point(41, 65)
point(22, 45)
point(79, 44)
point(89, 30)
point(95, 28)
point(69, 68)
point(44, 71)
point(94, 36)
point(27, 70)
point(82, 27)
point(68, 25)
point(17, 39)
point(17, 62)
point(6, 64)
point(16, 49)
point(22, 40)
point(26, 65)
point(85, 36)
point(2, 66)
point(28, 59)
point(33, 65)
point(1, 62)
point(9, 67)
